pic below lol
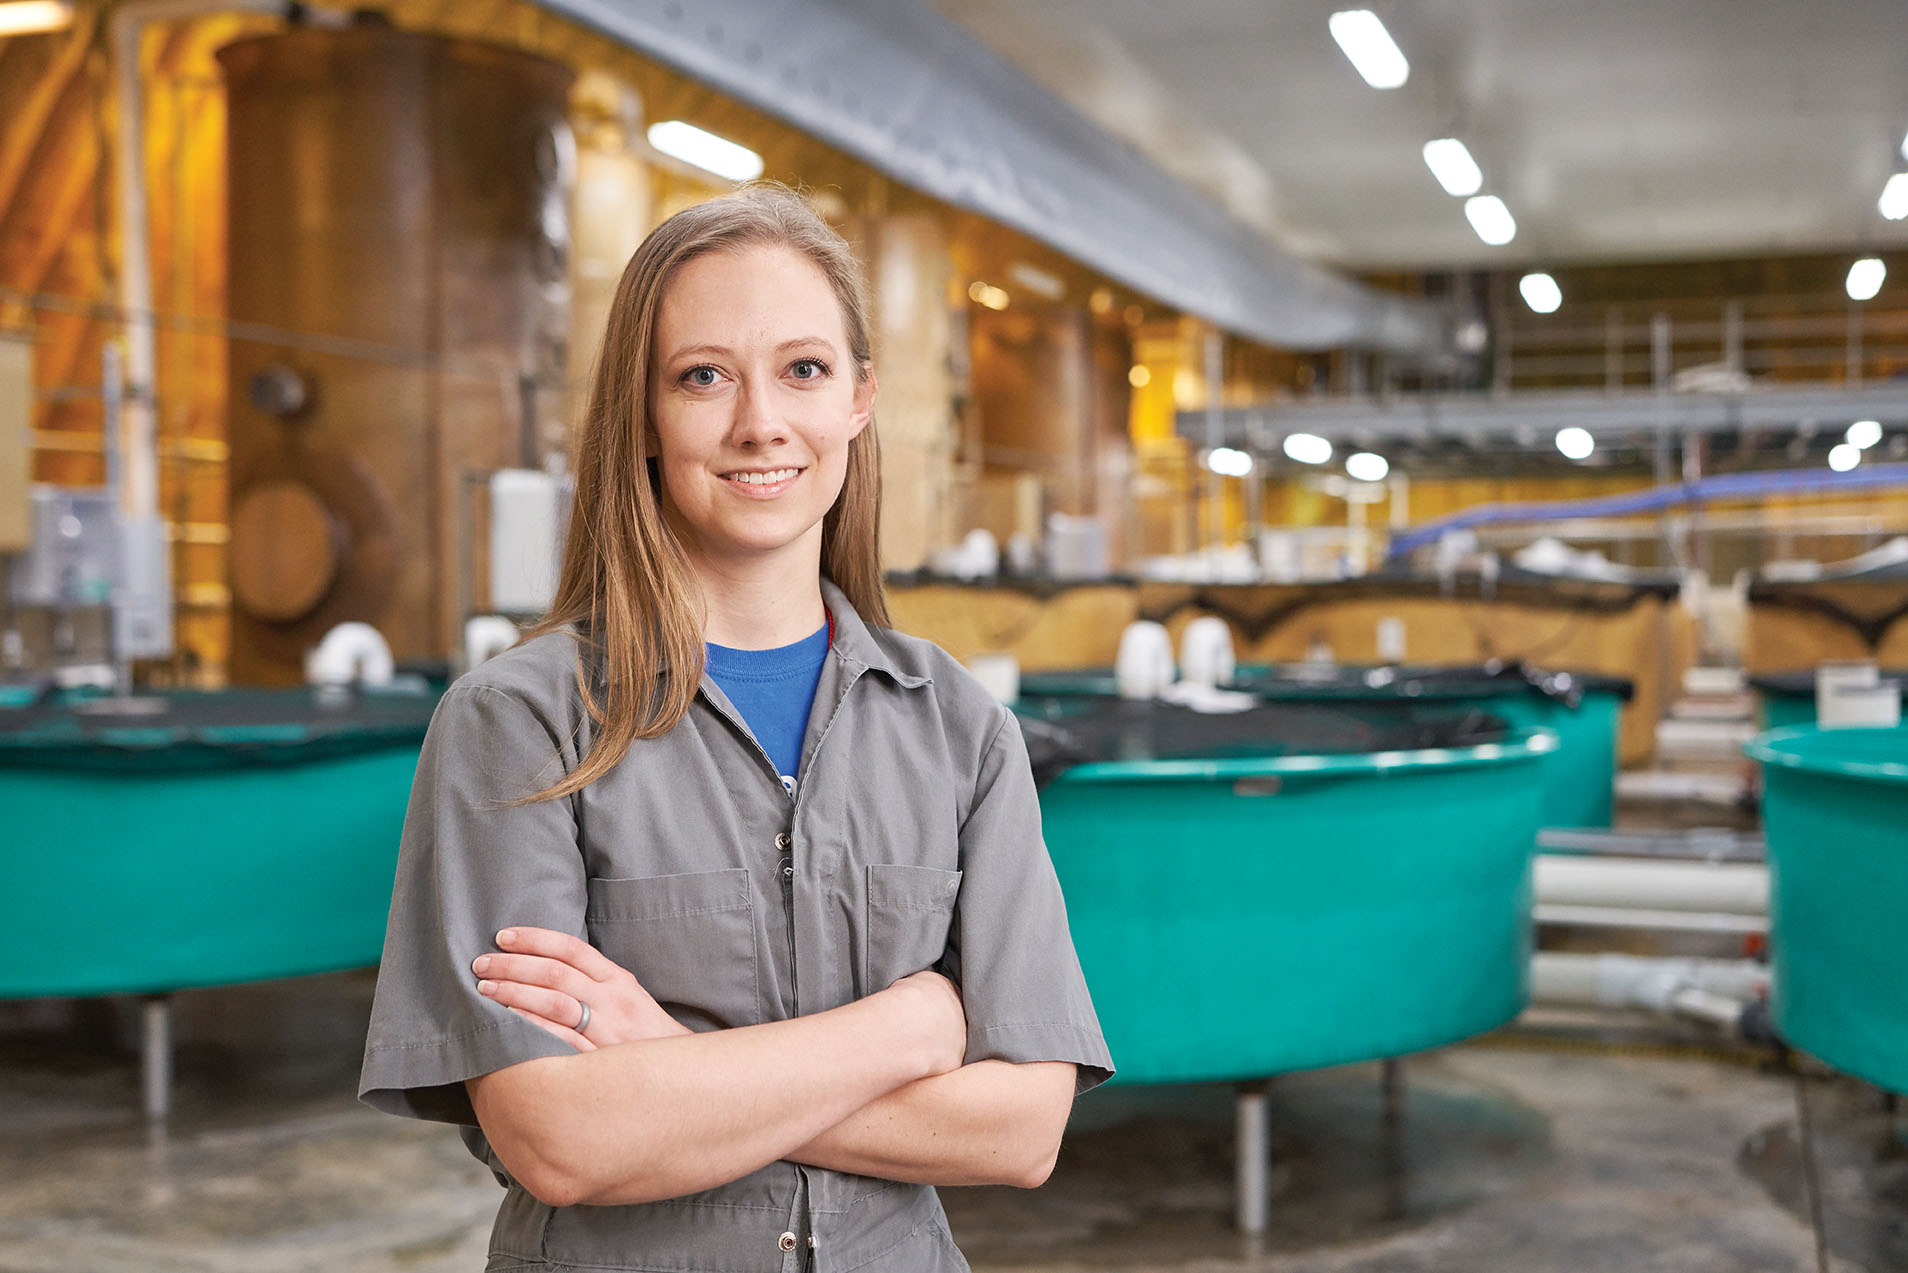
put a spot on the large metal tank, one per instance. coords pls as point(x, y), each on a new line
point(399, 211)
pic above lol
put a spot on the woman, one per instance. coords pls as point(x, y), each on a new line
point(721, 908)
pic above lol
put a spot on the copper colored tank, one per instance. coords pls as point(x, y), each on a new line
point(399, 222)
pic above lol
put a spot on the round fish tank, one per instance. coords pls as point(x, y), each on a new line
point(202, 839)
point(1578, 778)
point(1788, 698)
point(1240, 916)
point(1835, 812)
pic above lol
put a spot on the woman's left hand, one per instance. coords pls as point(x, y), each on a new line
point(547, 977)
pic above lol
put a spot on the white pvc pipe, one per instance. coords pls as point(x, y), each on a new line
point(1727, 888)
point(1634, 981)
point(1662, 921)
point(351, 653)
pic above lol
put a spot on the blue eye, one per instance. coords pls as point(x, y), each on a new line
point(809, 369)
point(700, 377)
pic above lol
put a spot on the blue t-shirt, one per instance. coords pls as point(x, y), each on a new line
point(773, 690)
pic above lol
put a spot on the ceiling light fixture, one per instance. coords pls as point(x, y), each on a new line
point(1894, 197)
point(1138, 376)
point(1491, 219)
point(1864, 434)
point(1865, 278)
point(987, 294)
point(1844, 457)
point(705, 150)
point(1575, 443)
point(1367, 466)
point(1541, 293)
point(28, 17)
point(1308, 448)
point(1453, 166)
point(1228, 462)
point(1370, 47)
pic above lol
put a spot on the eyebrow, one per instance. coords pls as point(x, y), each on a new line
point(799, 342)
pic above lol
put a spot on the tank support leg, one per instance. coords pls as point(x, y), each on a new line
point(1252, 1173)
point(155, 1055)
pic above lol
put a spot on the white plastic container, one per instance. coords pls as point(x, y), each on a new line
point(999, 672)
point(1144, 665)
point(1876, 706)
point(1832, 675)
point(1205, 652)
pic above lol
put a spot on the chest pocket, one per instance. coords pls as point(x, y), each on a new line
point(910, 913)
point(689, 939)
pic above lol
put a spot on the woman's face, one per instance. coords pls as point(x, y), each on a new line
point(753, 401)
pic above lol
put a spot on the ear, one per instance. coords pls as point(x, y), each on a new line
point(864, 401)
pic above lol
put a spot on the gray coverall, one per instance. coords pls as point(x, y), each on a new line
point(912, 841)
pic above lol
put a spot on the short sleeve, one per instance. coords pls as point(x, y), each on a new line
point(1021, 984)
point(469, 864)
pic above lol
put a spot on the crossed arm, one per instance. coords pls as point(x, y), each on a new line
point(646, 1109)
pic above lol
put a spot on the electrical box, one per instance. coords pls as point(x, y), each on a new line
point(16, 423)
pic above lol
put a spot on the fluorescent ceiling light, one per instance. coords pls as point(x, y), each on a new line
point(1864, 434)
point(1865, 278)
point(987, 294)
point(1453, 166)
point(1491, 219)
point(1894, 197)
point(1844, 457)
point(705, 150)
point(1366, 466)
point(1575, 443)
point(25, 17)
point(1037, 280)
point(1370, 48)
point(1308, 448)
point(1228, 462)
point(1541, 292)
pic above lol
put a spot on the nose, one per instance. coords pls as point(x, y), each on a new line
point(757, 424)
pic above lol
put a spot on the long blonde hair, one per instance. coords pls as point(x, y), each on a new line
point(626, 586)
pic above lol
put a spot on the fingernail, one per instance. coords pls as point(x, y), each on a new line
point(507, 936)
point(487, 987)
point(482, 964)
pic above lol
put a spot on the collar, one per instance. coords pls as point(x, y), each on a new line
point(854, 641)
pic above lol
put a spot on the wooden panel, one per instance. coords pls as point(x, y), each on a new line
point(16, 410)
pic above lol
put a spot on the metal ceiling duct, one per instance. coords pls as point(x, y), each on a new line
point(904, 89)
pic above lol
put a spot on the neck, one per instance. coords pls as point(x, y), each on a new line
point(760, 605)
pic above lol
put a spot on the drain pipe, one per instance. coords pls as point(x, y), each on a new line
point(1729, 993)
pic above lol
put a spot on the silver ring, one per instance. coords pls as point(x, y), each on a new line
point(582, 1022)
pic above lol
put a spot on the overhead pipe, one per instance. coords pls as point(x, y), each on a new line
point(913, 94)
point(1656, 499)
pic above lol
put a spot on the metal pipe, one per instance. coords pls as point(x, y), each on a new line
point(1251, 1174)
point(155, 1055)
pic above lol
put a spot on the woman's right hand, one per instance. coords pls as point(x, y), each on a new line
point(934, 1003)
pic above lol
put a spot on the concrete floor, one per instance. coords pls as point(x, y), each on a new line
point(1513, 1155)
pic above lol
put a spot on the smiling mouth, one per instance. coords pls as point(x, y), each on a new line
point(768, 477)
